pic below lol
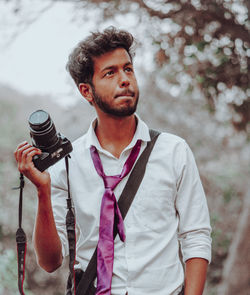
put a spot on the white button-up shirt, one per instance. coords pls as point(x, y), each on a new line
point(170, 206)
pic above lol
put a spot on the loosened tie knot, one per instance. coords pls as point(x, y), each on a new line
point(111, 181)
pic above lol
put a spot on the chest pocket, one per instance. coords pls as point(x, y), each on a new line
point(154, 209)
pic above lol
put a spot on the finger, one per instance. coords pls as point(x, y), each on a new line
point(19, 147)
point(26, 164)
point(26, 159)
point(20, 150)
point(31, 154)
point(21, 156)
point(26, 152)
point(22, 144)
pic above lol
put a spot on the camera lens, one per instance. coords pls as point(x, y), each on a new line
point(42, 130)
point(39, 119)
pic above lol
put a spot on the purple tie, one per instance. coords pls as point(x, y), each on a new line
point(109, 212)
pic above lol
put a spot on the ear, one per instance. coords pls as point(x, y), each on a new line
point(86, 91)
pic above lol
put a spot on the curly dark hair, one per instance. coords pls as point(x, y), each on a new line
point(80, 64)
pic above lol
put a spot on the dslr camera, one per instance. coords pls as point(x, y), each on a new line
point(53, 145)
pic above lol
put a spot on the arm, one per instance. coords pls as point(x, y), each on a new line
point(194, 225)
point(195, 276)
point(47, 242)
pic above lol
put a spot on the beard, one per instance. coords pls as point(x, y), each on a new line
point(122, 111)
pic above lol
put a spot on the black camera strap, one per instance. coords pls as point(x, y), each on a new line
point(70, 226)
point(21, 240)
point(21, 237)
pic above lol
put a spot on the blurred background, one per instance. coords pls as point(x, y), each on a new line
point(192, 61)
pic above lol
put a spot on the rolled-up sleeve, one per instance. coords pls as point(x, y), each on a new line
point(194, 222)
point(59, 195)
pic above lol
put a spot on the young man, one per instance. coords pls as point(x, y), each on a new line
point(169, 206)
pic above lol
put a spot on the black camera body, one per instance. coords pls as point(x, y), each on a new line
point(47, 159)
point(53, 145)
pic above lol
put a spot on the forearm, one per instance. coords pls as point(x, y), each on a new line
point(46, 239)
point(195, 276)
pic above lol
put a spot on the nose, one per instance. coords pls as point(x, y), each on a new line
point(124, 80)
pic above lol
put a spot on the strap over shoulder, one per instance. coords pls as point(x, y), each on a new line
point(136, 176)
point(154, 133)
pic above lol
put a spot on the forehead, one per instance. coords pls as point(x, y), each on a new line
point(117, 57)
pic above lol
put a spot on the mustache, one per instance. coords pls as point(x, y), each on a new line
point(126, 92)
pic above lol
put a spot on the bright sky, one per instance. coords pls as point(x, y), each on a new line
point(35, 61)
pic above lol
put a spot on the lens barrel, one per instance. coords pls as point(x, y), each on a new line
point(43, 131)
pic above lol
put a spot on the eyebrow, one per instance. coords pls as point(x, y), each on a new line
point(114, 66)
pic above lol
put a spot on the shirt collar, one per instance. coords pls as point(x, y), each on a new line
point(142, 132)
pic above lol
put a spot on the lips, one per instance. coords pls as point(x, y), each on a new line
point(125, 93)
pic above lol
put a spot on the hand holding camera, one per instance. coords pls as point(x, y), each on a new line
point(24, 155)
point(48, 148)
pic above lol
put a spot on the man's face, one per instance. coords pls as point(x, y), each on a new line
point(115, 90)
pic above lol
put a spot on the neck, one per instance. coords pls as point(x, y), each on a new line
point(115, 133)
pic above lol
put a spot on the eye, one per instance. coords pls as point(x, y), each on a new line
point(129, 70)
point(109, 73)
